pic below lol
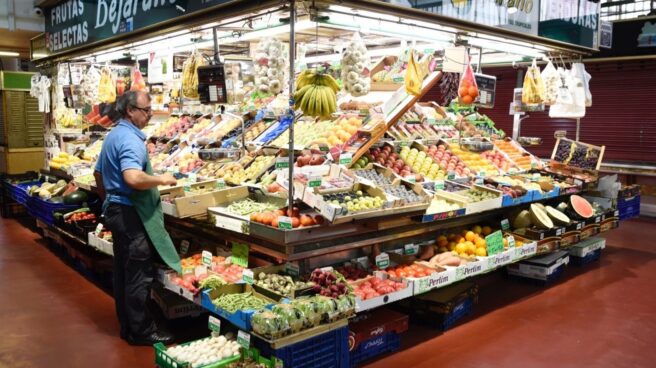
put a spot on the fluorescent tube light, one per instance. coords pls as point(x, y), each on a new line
point(8, 53)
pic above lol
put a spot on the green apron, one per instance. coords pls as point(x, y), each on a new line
point(149, 207)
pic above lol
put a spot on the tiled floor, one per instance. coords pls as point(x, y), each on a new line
point(601, 315)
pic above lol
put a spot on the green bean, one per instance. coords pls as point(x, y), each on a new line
point(231, 303)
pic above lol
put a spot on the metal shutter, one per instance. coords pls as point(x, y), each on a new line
point(33, 122)
point(15, 118)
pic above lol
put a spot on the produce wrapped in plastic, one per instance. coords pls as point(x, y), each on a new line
point(270, 66)
point(269, 324)
point(533, 89)
point(310, 310)
point(326, 306)
point(345, 305)
point(467, 89)
point(138, 83)
point(413, 76)
point(551, 81)
point(355, 71)
point(106, 86)
point(190, 75)
point(89, 83)
point(294, 316)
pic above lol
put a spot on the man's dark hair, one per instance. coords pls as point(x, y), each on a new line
point(128, 99)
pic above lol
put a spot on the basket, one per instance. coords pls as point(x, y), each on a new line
point(329, 350)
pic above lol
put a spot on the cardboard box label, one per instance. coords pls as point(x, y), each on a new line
point(470, 269)
point(435, 280)
point(527, 250)
point(236, 225)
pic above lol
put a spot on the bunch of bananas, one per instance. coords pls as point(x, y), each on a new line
point(316, 93)
point(190, 75)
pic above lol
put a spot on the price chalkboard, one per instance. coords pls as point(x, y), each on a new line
point(487, 85)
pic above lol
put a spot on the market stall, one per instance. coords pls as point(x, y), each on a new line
point(315, 181)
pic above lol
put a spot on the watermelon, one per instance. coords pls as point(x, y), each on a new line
point(78, 197)
point(580, 207)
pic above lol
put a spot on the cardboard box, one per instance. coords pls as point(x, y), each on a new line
point(233, 222)
point(100, 244)
point(540, 267)
point(183, 202)
point(587, 246)
point(363, 305)
point(440, 194)
point(174, 306)
point(480, 265)
point(165, 276)
point(484, 205)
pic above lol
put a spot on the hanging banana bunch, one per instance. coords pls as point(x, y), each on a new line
point(316, 93)
point(190, 75)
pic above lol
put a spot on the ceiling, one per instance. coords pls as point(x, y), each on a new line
point(18, 40)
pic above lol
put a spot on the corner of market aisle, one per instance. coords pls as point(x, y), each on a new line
point(294, 222)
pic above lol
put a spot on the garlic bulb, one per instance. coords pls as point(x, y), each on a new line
point(270, 66)
point(355, 76)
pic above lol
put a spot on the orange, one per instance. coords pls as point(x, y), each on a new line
point(480, 243)
point(460, 239)
point(463, 91)
point(481, 252)
point(471, 248)
point(505, 243)
point(461, 248)
point(470, 236)
point(473, 91)
point(487, 230)
point(467, 100)
point(452, 245)
point(442, 240)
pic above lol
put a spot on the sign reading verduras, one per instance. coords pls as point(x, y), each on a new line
point(74, 23)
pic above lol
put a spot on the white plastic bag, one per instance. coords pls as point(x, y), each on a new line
point(551, 80)
point(570, 101)
point(584, 76)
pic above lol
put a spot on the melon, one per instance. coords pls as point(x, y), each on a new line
point(78, 197)
point(521, 220)
point(558, 217)
point(580, 207)
point(540, 218)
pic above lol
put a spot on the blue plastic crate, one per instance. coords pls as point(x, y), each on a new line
point(464, 308)
point(628, 207)
point(18, 192)
point(43, 210)
point(241, 318)
point(328, 350)
point(375, 346)
point(589, 258)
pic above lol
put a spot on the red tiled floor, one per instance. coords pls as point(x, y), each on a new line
point(601, 315)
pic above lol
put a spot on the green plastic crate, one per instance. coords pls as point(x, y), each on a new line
point(163, 360)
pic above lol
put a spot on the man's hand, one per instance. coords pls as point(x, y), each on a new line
point(167, 179)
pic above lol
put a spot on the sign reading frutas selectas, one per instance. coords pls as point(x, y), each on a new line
point(75, 23)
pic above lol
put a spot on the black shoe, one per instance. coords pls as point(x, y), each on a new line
point(151, 339)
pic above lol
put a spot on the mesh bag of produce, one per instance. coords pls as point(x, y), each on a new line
point(270, 66)
point(533, 89)
point(467, 89)
point(355, 73)
point(138, 83)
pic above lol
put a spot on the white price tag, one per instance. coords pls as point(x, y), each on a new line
point(244, 339)
point(410, 249)
point(382, 261)
point(206, 258)
point(511, 241)
point(99, 229)
point(214, 324)
point(247, 276)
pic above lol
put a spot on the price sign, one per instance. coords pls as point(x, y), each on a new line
point(451, 175)
point(487, 85)
point(244, 339)
point(214, 324)
point(324, 148)
point(239, 254)
point(220, 184)
point(494, 243)
point(314, 181)
point(438, 185)
point(534, 164)
point(192, 177)
point(410, 249)
point(505, 224)
point(479, 181)
point(431, 121)
point(511, 241)
point(282, 162)
point(99, 229)
point(206, 258)
point(382, 261)
point(184, 247)
point(481, 173)
point(284, 222)
point(345, 159)
point(411, 179)
point(187, 187)
point(247, 276)
point(292, 269)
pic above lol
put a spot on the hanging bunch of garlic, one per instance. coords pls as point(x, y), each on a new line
point(355, 72)
point(89, 84)
point(270, 66)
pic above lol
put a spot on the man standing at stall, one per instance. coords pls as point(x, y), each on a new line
point(133, 214)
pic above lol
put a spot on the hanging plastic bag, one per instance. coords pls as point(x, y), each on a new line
point(190, 75)
point(570, 102)
point(533, 90)
point(585, 77)
point(467, 89)
point(138, 83)
point(413, 76)
point(106, 86)
point(551, 80)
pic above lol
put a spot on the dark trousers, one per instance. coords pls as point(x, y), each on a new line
point(134, 270)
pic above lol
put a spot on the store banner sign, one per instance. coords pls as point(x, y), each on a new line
point(74, 23)
point(575, 22)
point(517, 15)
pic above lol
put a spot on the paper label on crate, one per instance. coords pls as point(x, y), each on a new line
point(314, 181)
point(292, 269)
point(282, 162)
point(284, 222)
point(99, 229)
point(192, 177)
point(232, 224)
point(616, 214)
point(438, 185)
point(411, 178)
point(597, 219)
point(468, 270)
point(364, 261)
point(525, 250)
point(214, 324)
point(220, 184)
point(382, 260)
point(478, 181)
point(435, 280)
point(451, 175)
point(345, 159)
point(247, 276)
point(206, 258)
point(239, 254)
point(431, 121)
point(326, 269)
point(184, 247)
point(410, 249)
point(244, 339)
point(200, 270)
point(505, 224)
point(494, 243)
point(579, 226)
point(534, 164)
